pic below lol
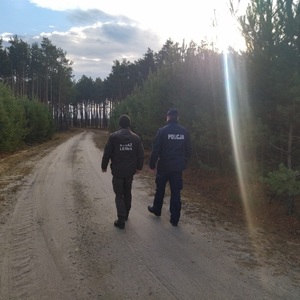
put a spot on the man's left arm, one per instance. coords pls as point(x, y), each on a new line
point(140, 156)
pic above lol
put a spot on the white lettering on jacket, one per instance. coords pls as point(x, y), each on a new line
point(126, 147)
point(175, 137)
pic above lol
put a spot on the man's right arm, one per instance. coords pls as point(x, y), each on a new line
point(106, 154)
point(155, 150)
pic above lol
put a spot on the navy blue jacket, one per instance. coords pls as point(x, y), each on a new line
point(171, 148)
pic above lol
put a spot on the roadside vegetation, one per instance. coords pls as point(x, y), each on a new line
point(234, 103)
point(22, 121)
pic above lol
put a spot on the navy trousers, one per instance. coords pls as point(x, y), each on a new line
point(122, 188)
point(176, 184)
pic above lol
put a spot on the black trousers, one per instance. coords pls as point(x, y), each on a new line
point(122, 188)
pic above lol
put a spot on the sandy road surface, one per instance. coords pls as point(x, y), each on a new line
point(59, 242)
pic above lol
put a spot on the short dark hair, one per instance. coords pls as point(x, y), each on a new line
point(173, 112)
point(124, 121)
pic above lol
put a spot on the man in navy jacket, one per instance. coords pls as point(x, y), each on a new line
point(170, 153)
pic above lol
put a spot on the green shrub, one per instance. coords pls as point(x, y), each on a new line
point(12, 121)
point(283, 182)
point(39, 122)
point(22, 121)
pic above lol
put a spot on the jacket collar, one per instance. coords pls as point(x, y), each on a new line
point(172, 122)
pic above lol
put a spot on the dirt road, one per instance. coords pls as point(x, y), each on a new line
point(58, 242)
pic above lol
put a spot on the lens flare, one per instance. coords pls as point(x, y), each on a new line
point(241, 126)
point(239, 116)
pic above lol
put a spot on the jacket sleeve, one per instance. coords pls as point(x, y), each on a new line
point(140, 157)
point(155, 150)
point(108, 150)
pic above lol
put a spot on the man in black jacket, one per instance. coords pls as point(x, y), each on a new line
point(171, 150)
point(126, 152)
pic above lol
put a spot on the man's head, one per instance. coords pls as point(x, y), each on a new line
point(172, 114)
point(124, 121)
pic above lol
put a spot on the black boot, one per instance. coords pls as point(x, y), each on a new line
point(151, 209)
point(119, 224)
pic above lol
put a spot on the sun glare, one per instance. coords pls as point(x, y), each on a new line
point(239, 118)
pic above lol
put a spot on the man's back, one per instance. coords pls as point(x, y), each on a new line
point(172, 147)
point(126, 152)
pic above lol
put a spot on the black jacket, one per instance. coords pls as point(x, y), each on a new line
point(126, 152)
point(171, 148)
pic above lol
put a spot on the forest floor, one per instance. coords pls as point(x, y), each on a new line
point(207, 197)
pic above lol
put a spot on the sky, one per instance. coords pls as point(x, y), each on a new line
point(95, 33)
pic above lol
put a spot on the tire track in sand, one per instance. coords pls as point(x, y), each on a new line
point(19, 259)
